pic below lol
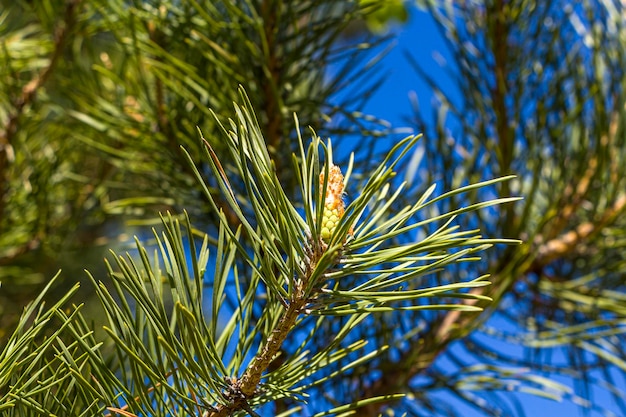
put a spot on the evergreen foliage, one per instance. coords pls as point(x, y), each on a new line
point(263, 289)
point(171, 357)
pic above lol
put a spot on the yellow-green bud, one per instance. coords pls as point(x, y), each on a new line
point(334, 206)
point(330, 220)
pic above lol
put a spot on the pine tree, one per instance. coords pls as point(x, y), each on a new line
point(287, 276)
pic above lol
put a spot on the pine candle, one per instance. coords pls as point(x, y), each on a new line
point(334, 206)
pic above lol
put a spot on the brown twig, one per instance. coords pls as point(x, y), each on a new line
point(570, 241)
point(15, 252)
point(558, 242)
point(247, 385)
point(499, 37)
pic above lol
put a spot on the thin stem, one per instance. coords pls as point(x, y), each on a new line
point(247, 385)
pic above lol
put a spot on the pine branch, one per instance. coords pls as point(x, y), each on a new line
point(499, 36)
point(176, 361)
point(565, 143)
point(297, 257)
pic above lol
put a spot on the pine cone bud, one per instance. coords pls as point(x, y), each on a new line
point(334, 206)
